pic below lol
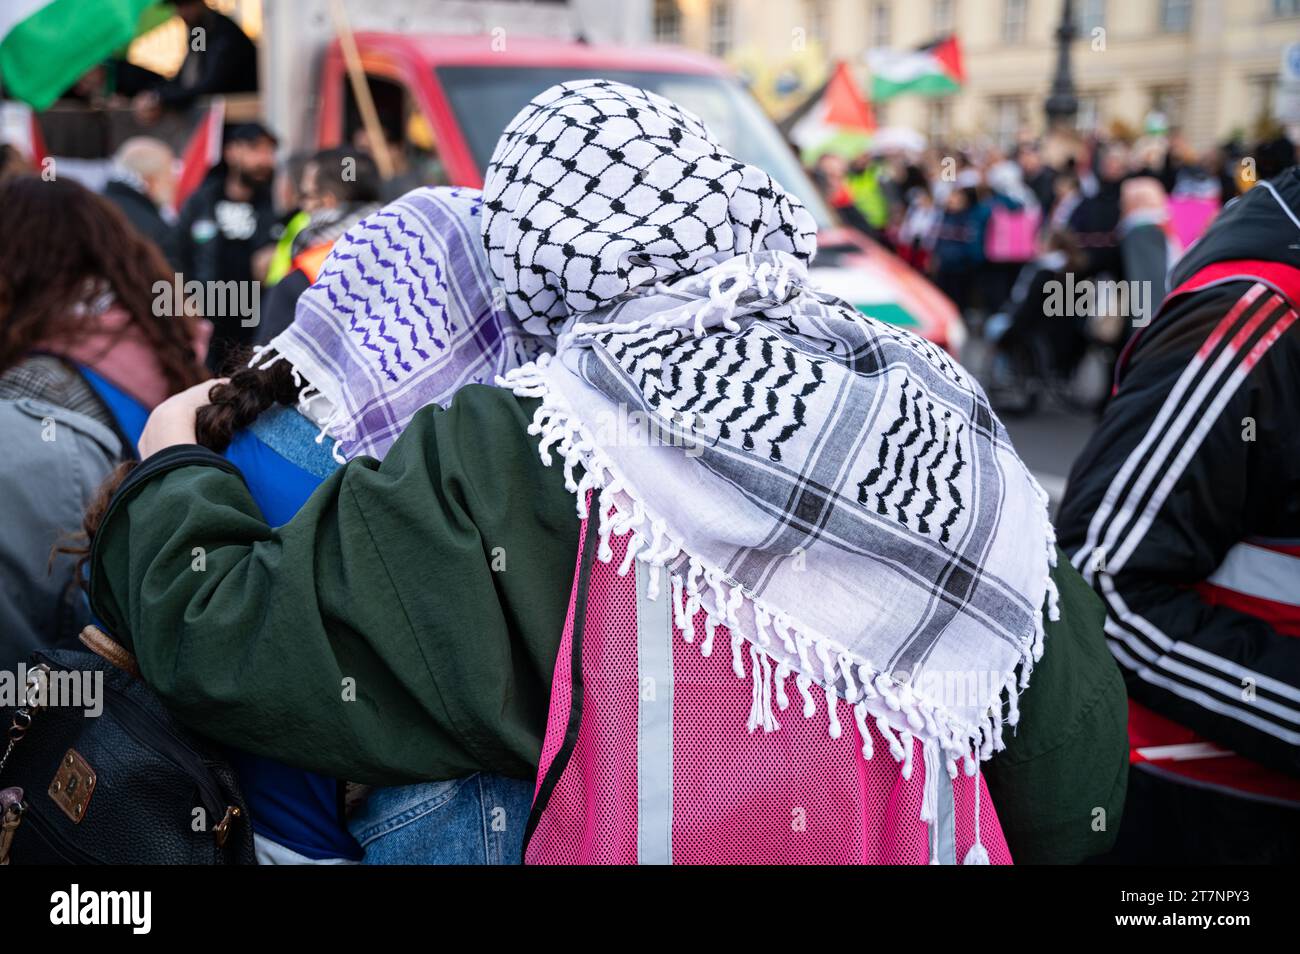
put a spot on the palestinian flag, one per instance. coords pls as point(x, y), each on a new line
point(19, 128)
point(202, 152)
point(879, 284)
point(835, 109)
point(47, 45)
point(932, 70)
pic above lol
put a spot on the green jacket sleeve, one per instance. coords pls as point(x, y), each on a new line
point(1068, 757)
point(402, 627)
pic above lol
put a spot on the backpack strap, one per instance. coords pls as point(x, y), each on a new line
point(102, 644)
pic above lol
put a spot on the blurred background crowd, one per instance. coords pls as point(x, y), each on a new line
point(993, 227)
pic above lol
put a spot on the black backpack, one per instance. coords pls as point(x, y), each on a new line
point(128, 786)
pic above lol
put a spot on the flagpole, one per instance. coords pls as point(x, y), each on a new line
point(361, 90)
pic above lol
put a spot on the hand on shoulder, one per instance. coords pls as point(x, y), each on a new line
point(173, 421)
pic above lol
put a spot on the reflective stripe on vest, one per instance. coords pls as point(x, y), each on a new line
point(654, 724)
point(947, 820)
point(655, 639)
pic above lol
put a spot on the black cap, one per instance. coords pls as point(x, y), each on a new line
point(248, 132)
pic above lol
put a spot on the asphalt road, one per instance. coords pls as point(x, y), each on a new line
point(1047, 440)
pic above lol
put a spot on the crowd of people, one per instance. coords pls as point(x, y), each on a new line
point(429, 549)
point(993, 227)
point(456, 605)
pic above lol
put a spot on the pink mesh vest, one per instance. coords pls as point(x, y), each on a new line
point(647, 759)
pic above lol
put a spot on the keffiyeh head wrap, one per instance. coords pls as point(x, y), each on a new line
point(837, 492)
point(402, 315)
point(599, 188)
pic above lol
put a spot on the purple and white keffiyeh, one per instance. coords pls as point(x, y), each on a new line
point(402, 315)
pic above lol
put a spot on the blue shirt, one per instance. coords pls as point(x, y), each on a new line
point(129, 413)
point(282, 465)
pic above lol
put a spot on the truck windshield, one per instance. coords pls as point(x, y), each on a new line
point(486, 98)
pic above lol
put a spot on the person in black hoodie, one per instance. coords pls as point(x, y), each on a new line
point(1095, 220)
point(228, 218)
point(1183, 512)
point(225, 61)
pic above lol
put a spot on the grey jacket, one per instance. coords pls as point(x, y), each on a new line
point(52, 460)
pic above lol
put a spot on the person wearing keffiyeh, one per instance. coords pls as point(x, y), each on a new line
point(670, 281)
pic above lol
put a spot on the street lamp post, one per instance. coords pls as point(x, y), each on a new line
point(1062, 105)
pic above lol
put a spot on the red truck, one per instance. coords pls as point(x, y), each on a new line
point(444, 100)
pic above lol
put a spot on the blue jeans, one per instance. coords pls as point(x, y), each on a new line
point(476, 820)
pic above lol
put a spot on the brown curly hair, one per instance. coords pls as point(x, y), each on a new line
point(59, 240)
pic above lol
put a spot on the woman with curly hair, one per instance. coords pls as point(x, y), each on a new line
point(84, 358)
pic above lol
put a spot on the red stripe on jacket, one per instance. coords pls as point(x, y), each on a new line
point(1147, 729)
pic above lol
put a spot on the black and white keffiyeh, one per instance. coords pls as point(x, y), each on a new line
point(834, 490)
point(599, 188)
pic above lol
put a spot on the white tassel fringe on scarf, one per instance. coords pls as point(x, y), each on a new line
point(896, 709)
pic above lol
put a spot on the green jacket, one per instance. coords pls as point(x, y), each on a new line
point(404, 626)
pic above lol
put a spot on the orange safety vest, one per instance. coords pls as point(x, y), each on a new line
point(309, 261)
